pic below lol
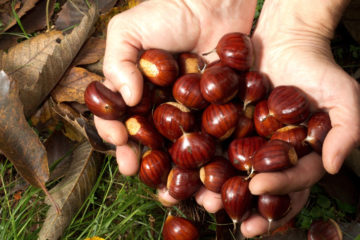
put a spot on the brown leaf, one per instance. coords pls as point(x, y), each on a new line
point(18, 141)
point(38, 63)
point(10, 20)
point(71, 14)
point(72, 191)
point(92, 51)
point(96, 67)
point(45, 119)
point(351, 19)
point(106, 5)
point(72, 86)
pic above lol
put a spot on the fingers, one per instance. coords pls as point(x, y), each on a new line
point(211, 201)
point(257, 225)
point(307, 172)
point(128, 160)
point(111, 131)
point(122, 49)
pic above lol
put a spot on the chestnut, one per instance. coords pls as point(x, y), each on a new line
point(215, 173)
point(235, 50)
point(275, 155)
point(318, 127)
point(192, 150)
point(236, 198)
point(295, 135)
point(178, 228)
point(143, 131)
point(241, 151)
point(219, 84)
point(273, 207)
point(154, 168)
point(183, 183)
point(186, 90)
point(257, 85)
point(220, 120)
point(103, 102)
point(265, 124)
point(289, 104)
point(172, 118)
point(324, 229)
point(190, 63)
point(159, 66)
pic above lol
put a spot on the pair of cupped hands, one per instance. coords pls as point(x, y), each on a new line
point(288, 54)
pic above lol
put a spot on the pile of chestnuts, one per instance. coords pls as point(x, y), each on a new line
point(213, 125)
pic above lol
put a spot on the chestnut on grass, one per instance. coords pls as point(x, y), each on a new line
point(288, 104)
point(236, 198)
point(159, 66)
point(318, 127)
point(219, 84)
point(178, 228)
point(186, 90)
point(192, 150)
point(143, 131)
point(183, 183)
point(324, 229)
point(170, 117)
point(154, 168)
point(220, 120)
point(275, 155)
point(235, 50)
point(215, 173)
point(103, 102)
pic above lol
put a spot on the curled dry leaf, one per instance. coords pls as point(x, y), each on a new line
point(18, 141)
point(37, 64)
point(71, 14)
point(92, 51)
point(72, 191)
point(72, 86)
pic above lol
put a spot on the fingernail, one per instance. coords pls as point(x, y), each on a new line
point(126, 93)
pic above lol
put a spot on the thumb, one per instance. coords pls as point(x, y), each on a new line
point(122, 49)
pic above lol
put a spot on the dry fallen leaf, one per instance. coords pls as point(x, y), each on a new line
point(92, 51)
point(71, 14)
point(38, 63)
point(18, 141)
point(72, 86)
point(72, 191)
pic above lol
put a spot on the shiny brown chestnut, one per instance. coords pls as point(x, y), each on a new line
point(245, 126)
point(190, 63)
point(289, 104)
point(143, 131)
point(178, 228)
point(186, 90)
point(154, 168)
point(241, 151)
point(219, 84)
point(159, 66)
point(183, 183)
point(324, 229)
point(220, 120)
point(235, 50)
point(257, 85)
point(265, 124)
point(273, 207)
point(236, 198)
point(215, 173)
point(172, 118)
point(103, 102)
point(275, 155)
point(295, 135)
point(318, 127)
point(192, 150)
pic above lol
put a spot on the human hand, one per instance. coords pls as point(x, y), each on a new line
point(293, 48)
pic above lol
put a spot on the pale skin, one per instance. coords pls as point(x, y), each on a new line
point(292, 47)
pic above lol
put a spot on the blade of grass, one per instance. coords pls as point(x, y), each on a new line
point(18, 19)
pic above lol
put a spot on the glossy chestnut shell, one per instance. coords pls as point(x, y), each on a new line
point(190, 63)
point(318, 127)
point(159, 66)
point(257, 85)
point(220, 120)
point(236, 198)
point(178, 228)
point(265, 124)
point(273, 207)
point(235, 50)
point(289, 104)
point(219, 84)
point(324, 229)
point(103, 102)
point(154, 168)
point(172, 118)
point(183, 183)
point(192, 150)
